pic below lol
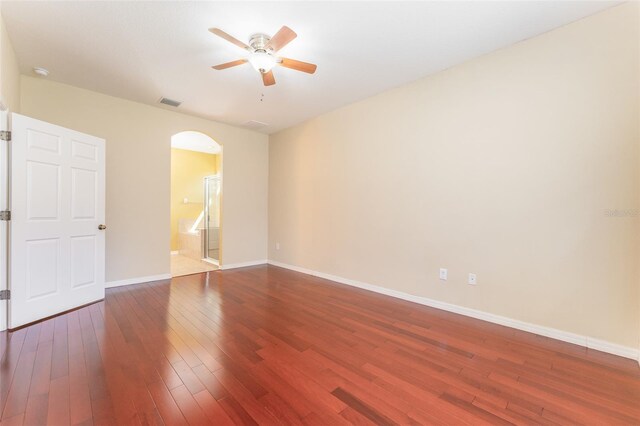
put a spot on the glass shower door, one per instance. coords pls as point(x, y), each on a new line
point(212, 218)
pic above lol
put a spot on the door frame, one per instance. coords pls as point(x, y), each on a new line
point(4, 205)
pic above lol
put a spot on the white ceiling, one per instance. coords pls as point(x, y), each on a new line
point(144, 50)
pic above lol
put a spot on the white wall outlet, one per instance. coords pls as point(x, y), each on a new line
point(472, 279)
point(443, 274)
point(277, 246)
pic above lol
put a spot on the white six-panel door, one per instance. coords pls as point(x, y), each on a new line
point(57, 205)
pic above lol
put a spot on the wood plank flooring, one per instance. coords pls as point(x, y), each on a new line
point(265, 345)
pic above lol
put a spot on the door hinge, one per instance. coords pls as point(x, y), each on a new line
point(5, 215)
point(5, 294)
point(5, 135)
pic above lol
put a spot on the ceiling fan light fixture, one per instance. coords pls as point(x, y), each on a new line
point(262, 61)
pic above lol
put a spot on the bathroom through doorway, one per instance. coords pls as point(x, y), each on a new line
point(196, 195)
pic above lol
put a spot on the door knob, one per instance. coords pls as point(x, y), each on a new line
point(102, 227)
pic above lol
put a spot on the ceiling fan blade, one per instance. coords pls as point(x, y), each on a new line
point(298, 65)
point(268, 79)
point(281, 39)
point(220, 33)
point(229, 64)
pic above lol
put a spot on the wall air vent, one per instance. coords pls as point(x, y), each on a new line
point(170, 102)
point(253, 125)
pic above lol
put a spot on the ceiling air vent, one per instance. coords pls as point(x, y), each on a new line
point(170, 102)
point(253, 125)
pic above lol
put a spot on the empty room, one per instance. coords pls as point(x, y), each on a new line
point(319, 212)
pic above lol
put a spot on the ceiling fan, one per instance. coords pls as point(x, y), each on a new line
point(262, 50)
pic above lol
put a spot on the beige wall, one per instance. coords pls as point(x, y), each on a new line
point(188, 170)
point(138, 174)
point(502, 166)
point(9, 73)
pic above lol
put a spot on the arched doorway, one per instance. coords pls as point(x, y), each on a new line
point(196, 196)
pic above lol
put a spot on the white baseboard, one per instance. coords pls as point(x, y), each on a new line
point(138, 280)
point(243, 264)
point(588, 342)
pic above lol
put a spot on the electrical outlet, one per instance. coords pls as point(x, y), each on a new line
point(443, 274)
point(277, 246)
point(472, 279)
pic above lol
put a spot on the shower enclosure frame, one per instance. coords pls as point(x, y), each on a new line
point(208, 188)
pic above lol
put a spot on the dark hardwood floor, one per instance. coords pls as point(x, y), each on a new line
point(265, 345)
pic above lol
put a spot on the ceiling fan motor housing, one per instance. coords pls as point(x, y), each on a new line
point(258, 42)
